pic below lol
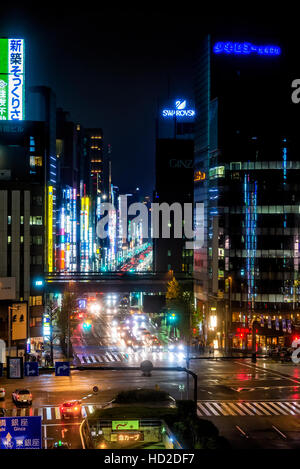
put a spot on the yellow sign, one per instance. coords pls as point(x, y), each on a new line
point(19, 321)
point(199, 176)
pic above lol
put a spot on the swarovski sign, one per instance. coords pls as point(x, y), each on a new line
point(180, 110)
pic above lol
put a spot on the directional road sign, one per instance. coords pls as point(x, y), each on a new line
point(31, 369)
point(62, 368)
point(21, 433)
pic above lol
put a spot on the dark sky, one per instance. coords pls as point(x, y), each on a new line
point(109, 69)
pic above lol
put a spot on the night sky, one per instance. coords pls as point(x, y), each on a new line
point(110, 69)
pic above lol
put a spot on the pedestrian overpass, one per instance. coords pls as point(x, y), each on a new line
point(110, 282)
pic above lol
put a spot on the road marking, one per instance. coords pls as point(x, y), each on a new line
point(280, 433)
point(253, 408)
point(236, 408)
point(218, 406)
point(48, 413)
point(199, 405)
point(57, 413)
point(242, 431)
point(211, 408)
point(281, 408)
point(249, 408)
point(256, 404)
point(245, 409)
point(269, 407)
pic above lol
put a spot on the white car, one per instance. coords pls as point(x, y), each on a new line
point(22, 396)
point(2, 393)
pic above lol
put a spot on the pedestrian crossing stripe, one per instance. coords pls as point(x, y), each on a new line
point(47, 413)
point(250, 408)
point(105, 358)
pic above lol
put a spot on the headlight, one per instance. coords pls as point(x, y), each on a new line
point(171, 347)
point(180, 347)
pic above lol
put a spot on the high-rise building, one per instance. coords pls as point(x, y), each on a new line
point(25, 213)
point(174, 184)
point(247, 182)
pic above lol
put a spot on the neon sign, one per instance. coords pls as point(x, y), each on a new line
point(245, 48)
point(179, 111)
point(12, 79)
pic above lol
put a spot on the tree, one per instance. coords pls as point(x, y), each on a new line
point(181, 302)
point(68, 306)
point(52, 314)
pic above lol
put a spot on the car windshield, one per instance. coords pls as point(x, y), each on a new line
point(24, 391)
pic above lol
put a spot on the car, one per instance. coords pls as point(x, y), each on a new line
point(60, 445)
point(22, 397)
point(2, 394)
point(70, 409)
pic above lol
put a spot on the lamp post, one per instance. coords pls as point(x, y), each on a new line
point(228, 319)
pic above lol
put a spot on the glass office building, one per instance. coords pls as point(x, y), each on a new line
point(247, 152)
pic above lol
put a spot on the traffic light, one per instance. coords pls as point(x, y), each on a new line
point(86, 326)
point(171, 319)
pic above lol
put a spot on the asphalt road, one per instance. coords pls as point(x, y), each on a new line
point(253, 405)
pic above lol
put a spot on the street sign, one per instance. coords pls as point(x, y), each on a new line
point(181, 387)
point(125, 424)
point(15, 367)
point(62, 368)
point(31, 368)
point(21, 433)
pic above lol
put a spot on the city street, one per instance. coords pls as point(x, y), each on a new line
point(252, 405)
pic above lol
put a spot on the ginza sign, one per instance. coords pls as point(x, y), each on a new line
point(162, 226)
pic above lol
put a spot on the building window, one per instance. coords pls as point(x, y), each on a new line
point(36, 220)
point(36, 161)
point(169, 252)
point(9, 219)
point(35, 300)
point(8, 239)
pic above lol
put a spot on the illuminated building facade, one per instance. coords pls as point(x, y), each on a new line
point(24, 193)
point(247, 180)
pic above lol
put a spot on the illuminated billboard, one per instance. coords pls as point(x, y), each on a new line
point(50, 228)
point(12, 79)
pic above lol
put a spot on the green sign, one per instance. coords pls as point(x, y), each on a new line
point(125, 425)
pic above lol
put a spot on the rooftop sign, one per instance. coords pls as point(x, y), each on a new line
point(245, 48)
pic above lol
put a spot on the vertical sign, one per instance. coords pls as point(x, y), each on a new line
point(19, 321)
point(14, 368)
point(50, 228)
point(12, 79)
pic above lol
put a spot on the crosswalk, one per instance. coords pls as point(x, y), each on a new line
point(249, 408)
point(133, 356)
point(48, 414)
point(107, 357)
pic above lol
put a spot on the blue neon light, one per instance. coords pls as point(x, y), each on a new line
point(245, 48)
point(180, 110)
